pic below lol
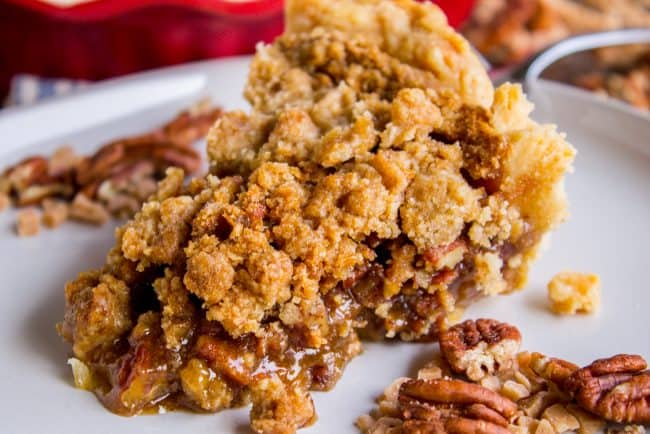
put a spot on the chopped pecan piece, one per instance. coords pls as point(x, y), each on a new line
point(81, 373)
point(514, 390)
point(86, 210)
point(55, 212)
point(616, 388)
point(190, 125)
point(480, 347)
point(446, 256)
point(560, 418)
point(63, 161)
point(589, 423)
point(28, 223)
point(28, 172)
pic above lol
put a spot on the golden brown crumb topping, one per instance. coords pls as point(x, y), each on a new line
point(415, 34)
point(360, 196)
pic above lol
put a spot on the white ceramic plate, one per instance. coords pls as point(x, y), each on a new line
point(608, 233)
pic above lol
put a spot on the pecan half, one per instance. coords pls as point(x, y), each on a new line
point(167, 146)
point(29, 182)
point(112, 157)
point(617, 388)
point(35, 194)
point(28, 172)
point(453, 405)
point(190, 125)
point(478, 348)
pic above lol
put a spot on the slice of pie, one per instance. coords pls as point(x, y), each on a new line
point(365, 195)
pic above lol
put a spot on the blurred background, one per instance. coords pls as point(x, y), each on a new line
point(49, 47)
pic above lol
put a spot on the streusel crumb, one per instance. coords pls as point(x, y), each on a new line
point(416, 34)
point(571, 292)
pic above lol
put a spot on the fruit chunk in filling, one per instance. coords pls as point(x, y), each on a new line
point(354, 200)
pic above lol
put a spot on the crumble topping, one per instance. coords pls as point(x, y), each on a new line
point(363, 195)
point(414, 33)
point(55, 212)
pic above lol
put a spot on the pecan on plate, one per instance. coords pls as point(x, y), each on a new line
point(192, 124)
point(30, 182)
point(114, 156)
point(617, 388)
point(481, 347)
point(30, 171)
point(88, 211)
point(453, 406)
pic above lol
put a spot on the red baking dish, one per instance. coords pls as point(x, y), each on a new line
point(105, 38)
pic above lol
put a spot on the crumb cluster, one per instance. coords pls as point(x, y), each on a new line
point(571, 292)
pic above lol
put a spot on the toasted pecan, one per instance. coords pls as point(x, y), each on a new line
point(477, 348)
point(457, 392)
point(453, 406)
point(616, 388)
